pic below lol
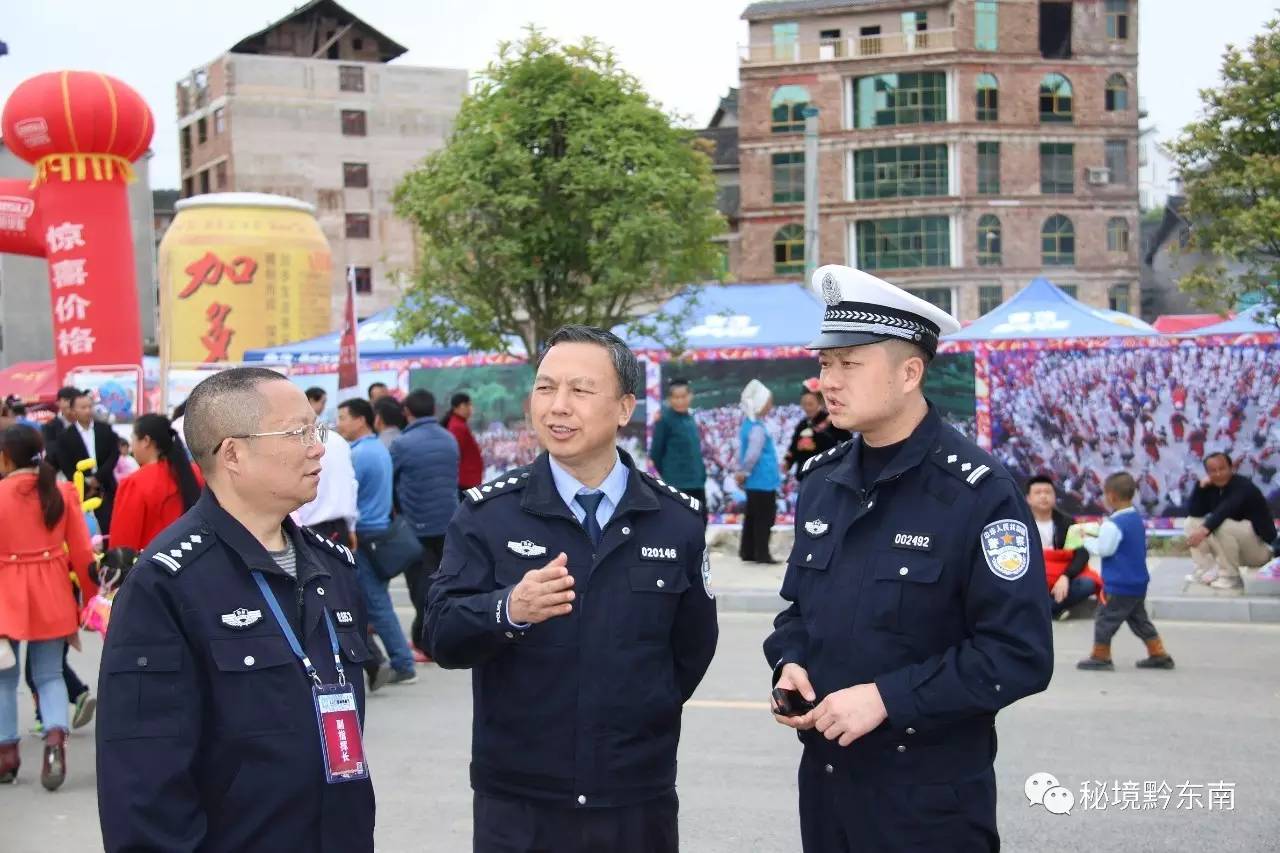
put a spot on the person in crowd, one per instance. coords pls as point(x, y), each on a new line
point(676, 446)
point(1229, 525)
point(126, 465)
point(14, 411)
point(388, 420)
point(164, 487)
point(424, 460)
point(54, 428)
point(319, 400)
point(471, 462)
point(1067, 571)
point(577, 705)
point(1122, 544)
point(230, 643)
point(42, 540)
point(814, 433)
point(758, 473)
point(374, 497)
point(89, 438)
point(377, 390)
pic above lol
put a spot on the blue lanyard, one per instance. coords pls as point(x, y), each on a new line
point(293, 638)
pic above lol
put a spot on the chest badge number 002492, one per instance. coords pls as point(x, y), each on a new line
point(1005, 545)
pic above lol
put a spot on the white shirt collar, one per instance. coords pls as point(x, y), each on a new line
point(569, 487)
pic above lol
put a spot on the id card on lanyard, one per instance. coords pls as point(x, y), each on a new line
point(337, 714)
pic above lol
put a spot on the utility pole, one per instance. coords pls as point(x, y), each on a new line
point(810, 114)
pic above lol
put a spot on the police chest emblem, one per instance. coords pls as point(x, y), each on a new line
point(525, 548)
point(816, 528)
point(914, 541)
point(1006, 547)
point(651, 552)
point(706, 574)
point(241, 618)
point(830, 290)
point(344, 617)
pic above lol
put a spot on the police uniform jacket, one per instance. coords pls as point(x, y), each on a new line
point(207, 732)
point(582, 709)
point(926, 582)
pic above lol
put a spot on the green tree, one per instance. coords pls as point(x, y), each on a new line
point(1230, 165)
point(564, 195)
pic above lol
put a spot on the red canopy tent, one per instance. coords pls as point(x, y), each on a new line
point(34, 382)
point(1172, 324)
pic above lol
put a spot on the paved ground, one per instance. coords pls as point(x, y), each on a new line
point(1212, 720)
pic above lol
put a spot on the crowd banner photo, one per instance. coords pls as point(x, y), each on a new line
point(349, 344)
point(81, 131)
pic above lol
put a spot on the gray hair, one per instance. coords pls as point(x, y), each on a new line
point(225, 404)
point(625, 363)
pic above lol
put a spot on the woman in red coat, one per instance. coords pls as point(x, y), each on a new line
point(158, 493)
point(42, 539)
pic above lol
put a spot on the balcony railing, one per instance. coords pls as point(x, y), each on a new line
point(853, 47)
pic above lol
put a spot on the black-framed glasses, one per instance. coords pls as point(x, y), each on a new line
point(310, 435)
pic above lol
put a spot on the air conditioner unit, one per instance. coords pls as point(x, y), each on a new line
point(1098, 175)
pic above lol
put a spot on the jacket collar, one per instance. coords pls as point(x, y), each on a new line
point(420, 422)
point(253, 556)
point(542, 498)
point(918, 445)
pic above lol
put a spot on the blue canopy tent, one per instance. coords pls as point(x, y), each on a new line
point(1260, 319)
point(737, 315)
point(1041, 310)
point(375, 340)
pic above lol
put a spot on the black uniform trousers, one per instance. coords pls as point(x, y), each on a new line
point(508, 825)
point(757, 524)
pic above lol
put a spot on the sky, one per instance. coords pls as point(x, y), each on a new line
point(685, 52)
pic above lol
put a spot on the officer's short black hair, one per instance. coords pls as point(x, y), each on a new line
point(455, 401)
point(1122, 485)
point(315, 393)
point(625, 363)
point(1223, 454)
point(388, 408)
point(358, 407)
point(1038, 479)
point(677, 383)
point(225, 404)
point(421, 403)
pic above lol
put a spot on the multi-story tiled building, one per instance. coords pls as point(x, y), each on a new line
point(965, 146)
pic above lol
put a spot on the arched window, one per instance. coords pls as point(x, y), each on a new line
point(988, 97)
point(788, 250)
point(989, 241)
point(1055, 98)
point(1057, 242)
point(1117, 94)
point(1117, 235)
point(786, 108)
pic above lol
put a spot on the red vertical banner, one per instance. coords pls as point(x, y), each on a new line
point(348, 346)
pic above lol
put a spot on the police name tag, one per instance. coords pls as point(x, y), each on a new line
point(340, 739)
point(651, 552)
point(914, 541)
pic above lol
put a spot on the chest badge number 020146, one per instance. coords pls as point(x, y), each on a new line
point(1006, 547)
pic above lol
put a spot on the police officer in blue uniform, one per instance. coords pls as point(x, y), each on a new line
point(578, 591)
point(208, 732)
point(917, 596)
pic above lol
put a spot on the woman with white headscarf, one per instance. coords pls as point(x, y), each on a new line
point(758, 473)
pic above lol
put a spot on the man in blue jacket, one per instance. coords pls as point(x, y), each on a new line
point(425, 459)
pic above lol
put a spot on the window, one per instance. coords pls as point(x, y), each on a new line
point(188, 187)
point(914, 170)
point(364, 279)
point(185, 144)
point(788, 177)
point(787, 108)
point(990, 297)
point(351, 78)
point(204, 181)
point(202, 130)
point(985, 25)
point(988, 98)
point(989, 243)
point(786, 38)
point(353, 123)
point(1117, 94)
point(219, 121)
point(1057, 168)
point(1118, 298)
point(885, 100)
point(1117, 235)
point(1118, 161)
point(1118, 20)
point(1055, 99)
point(357, 44)
point(1071, 290)
point(1055, 30)
point(355, 175)
point(939, 296)
point(1057, 242)
point(358, 226)
point(830, 45)
point(988, 168)
point(869, 42)
point(917, 241)
point(788, 250)
point(220, 176)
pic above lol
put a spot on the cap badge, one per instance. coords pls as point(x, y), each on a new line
point(830, 290)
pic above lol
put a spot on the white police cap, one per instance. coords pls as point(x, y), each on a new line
point(862, 309)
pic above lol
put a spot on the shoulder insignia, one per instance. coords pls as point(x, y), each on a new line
point(174, 556)
point(337, 549)
point(966, 463)
point(815, 462)
point(511, 481)
point(680, 497)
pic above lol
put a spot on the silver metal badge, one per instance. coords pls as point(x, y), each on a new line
point(525, 548)
point(830, 290)
point(816, 528)
point(241, 618)
point(344, 616)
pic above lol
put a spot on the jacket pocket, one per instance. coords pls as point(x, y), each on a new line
point(655, 596)
point(259, 685)
point(905, 591)
point(143, 694)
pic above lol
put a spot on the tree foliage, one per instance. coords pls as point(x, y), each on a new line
point(1230, 165)
point(564, 195)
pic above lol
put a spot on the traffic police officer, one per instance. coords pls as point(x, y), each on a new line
point(917, 596)
point(208, 732)
point(578, 591)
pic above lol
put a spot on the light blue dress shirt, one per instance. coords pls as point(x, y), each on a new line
point(614, 487)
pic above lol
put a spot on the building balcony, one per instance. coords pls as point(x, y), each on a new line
point(852, 47)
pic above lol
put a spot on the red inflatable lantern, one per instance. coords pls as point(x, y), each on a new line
point(81, 131)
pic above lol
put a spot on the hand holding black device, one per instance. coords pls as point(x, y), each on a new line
point(790, 703)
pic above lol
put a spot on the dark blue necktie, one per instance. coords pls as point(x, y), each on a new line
point(591, 503)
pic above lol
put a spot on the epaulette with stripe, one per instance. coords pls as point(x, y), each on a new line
point(511, 481)
point(970, 463)
point(817, 461)
point(175, 555)
point(680, 497)
point(327, 545)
